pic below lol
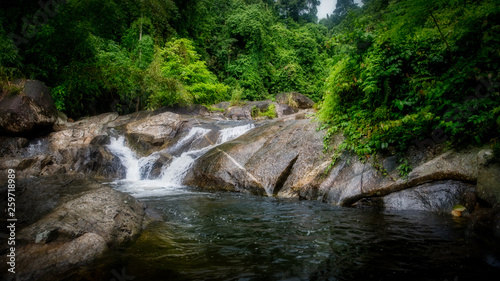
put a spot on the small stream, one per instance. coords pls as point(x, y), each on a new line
point(233, 236)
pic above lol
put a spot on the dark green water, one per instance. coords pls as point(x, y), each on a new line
point(227, 236)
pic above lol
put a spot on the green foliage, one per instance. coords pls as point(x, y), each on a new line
point(404, 168)
point(266, 57)
point(387, 73)
point(101, 55)
point(415, 70)
point(299, 10)
point(269, 113)
point(184, 64)
point(236, 94)
point(60, 96)
point(9, 57)
point(212, 108)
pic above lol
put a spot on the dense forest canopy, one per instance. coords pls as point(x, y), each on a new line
point(388, 73)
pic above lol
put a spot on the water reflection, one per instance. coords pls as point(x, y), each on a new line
point(226, 236)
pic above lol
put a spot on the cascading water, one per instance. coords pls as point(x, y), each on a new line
point(127, 157)
point(35, 148)
point(170, 180)
point(232, 133)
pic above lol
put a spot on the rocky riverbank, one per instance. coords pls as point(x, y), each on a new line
point(67, 218)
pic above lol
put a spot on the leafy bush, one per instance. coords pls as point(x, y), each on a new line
point(182, 62)
point(412, 73)
point(269, 113)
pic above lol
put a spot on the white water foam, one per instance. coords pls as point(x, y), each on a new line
point(127, 157)
point(170, 180)
point(232, 133)
point(35, 148)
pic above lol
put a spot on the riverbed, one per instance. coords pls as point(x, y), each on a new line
point(234, 236)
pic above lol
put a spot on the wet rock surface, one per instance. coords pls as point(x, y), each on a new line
point(150, 134)
point(74, 219)
point(439, 197)
point(68, 221)
point(284, 158)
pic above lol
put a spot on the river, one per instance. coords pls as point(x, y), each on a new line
point(235, 236)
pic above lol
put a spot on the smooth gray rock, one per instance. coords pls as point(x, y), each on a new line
point(436, 197)
point(263, 161)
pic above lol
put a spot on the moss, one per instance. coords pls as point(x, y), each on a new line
point(270, 112)
point(212, 109)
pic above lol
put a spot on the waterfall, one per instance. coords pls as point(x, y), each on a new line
point(139, 168)
point(35, 148)
point(194, 134)
point(127, 157)
point(232, 133)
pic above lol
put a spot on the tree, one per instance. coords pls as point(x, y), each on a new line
point(299, 10)
point(343, 7)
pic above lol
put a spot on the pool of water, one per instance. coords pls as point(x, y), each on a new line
point(231, 236)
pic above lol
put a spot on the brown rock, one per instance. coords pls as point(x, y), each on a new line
point(26, 109)
point(295, 100)
point(149, 134)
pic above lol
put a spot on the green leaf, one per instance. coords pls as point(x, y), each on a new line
point(459, 208)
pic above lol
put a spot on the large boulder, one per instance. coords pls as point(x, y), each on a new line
point(26, 109)
point(245, 111)
point(284, 158)
point(295, 100)
point(81, 147)
point(150, 134)
point(69, 221)
point(262, 161)
point(440, 197)
point(238, 113)
point(25, 167)
point(82, 132)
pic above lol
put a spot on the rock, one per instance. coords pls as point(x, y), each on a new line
point(193, 109)
point(150, 134)
point(44, 261)
point(93, 160)
point(295, 100)
point(222, 105)
point(488, 178)
point(27, 109)
point(283, 110)
point(260, 105)
point(436, 197)
point(68, 222)
point(284, 158)
point(54, 169)
point(10, 146)
point(82, 132)
point(80, 147)
point(163, 161)
point(101, 140)
point(245, 112)
point(26, 167)
point(100, 120)
point(238, 113)
point(349, 183)
point(263, 161)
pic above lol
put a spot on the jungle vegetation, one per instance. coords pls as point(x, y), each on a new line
point(387, 74)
